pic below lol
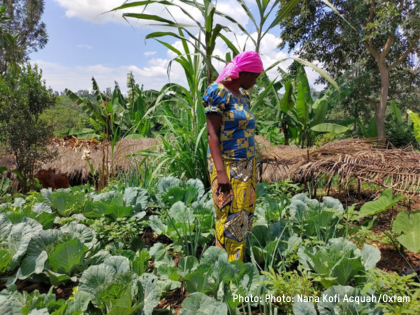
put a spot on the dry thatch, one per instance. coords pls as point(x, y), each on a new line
point(350, 159)
point(358, 159)
point(275, 162)
point(73, 156)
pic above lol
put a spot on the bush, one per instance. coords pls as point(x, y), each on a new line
point(401, 135)
point(23, 97)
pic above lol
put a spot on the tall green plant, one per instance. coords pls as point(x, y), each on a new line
point(117, 116)
point(183, 135)
point(295, 112)
point(416, 123)
point(210, 30)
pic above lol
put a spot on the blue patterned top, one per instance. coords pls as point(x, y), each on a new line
point(238, 123)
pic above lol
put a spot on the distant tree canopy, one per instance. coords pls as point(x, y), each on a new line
point(383, 36)
point(65, 115)
point(26, 25)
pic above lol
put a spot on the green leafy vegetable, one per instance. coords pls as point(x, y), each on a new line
point(200, 304)
point(384, 202)
point(408, 226)
point(67, 256)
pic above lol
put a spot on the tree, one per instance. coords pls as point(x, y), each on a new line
point(5, 36)
point(23, 97)
point(29, 31)
point(382, 31)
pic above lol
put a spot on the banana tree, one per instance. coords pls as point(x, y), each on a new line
point(295, 113)
point(416, 123)
point(115, 116)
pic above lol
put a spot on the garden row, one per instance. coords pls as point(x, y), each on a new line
point(127, 249)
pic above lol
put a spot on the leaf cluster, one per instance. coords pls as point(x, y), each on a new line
point(23, 97)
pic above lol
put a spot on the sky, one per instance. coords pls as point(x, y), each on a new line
point(86, 40)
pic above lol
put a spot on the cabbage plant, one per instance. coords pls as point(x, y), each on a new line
point(311, 218)
point(339, 261)
point(339, 300)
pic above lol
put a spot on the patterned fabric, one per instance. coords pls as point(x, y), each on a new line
point(238, 123)
point(234, 210)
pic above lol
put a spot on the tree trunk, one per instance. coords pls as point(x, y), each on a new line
point(380, 109)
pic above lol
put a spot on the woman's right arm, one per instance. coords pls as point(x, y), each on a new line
point(214, 122)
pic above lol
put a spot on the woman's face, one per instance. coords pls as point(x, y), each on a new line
point(248, 79)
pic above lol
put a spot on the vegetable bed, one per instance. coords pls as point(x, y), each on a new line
point(128, 250)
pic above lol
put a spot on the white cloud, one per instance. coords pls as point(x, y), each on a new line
point(84, 46)
point(149, 53)
point(155, 73)
point(97, 11)
point(153, 76)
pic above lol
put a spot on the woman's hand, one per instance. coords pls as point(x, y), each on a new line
point(223, 184)
point(213, 131)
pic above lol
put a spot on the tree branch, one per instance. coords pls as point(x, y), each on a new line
point(405, 54)
point(387, 46)
point(372, 51)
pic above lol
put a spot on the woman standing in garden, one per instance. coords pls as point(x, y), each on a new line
point(231, 155)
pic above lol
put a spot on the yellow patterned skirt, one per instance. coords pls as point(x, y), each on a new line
point(234, 210)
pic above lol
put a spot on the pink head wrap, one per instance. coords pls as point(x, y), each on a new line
point(248, 61)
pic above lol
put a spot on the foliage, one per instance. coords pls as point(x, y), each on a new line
point(211, 32)
point(29, 31)
point(399, 132)
point(325, 138)
point(311, 218)
point(117, 117)
point(184, 141)
point(394, 285)
point(406, 224)
point(189, 208)
point(383, 203)
point(275, 197)
point(119, 289)
point(296, 114)
point(14, 302)
point(338, 262)
point(289, 283)
point(170, 190)
point(4, 185)
point(123, 229)
point(65, 115)
point(23, 97)
point(416, 123)
point(117, 268)
point(199, 303)
point(381, 35)
point(269, 245)
point(6, 39)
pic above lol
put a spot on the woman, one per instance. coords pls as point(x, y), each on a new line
point(231, 154)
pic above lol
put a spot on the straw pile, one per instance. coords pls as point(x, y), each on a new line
point(275, 162)
point(349, 159)
point(359, 159)
point(73, 156)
